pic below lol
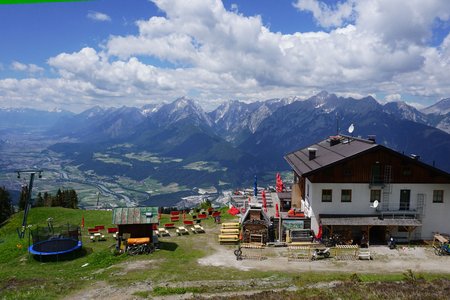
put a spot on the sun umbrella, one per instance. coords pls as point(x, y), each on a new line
point(277, 211)
point(264, 200)
point(233, 211)
point(319, 234)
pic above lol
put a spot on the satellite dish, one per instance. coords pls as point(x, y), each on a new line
point(375, 204)
point(351, 128)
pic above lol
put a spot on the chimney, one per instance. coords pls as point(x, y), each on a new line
point(372, 138)
point(312, 153)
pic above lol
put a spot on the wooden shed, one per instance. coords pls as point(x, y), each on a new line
point(136, 221)
point(255, 226)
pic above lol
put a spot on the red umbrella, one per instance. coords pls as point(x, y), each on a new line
point(233, 211)
point(264, 200)
point(319, 234)
point(277, 211)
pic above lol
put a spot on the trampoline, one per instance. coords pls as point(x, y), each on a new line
point(55, 246)
point(55, 241)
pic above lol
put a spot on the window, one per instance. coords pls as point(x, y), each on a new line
point(327, 195)
point(346, 195)
point(438, 196)
point(406, 171)
point(307, 190)
point(375, 195)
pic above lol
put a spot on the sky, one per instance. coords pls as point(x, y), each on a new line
point(76, 55)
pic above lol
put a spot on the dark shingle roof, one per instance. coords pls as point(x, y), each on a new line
point(326, 154)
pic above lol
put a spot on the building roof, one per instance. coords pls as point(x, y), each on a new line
point(135, 215)
point(327, 152)
point(369, 221)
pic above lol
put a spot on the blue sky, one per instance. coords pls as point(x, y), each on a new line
point(133, 52)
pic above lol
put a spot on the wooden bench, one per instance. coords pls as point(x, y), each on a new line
point(188, 223)
point(226, 238)
point(100, 227)
point(229, 231)
point(230, 225)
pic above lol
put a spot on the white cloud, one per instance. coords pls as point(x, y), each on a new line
point(393, 98)
point(29, 68)
point(325, 15)
point(98, 16)
point(220, 54)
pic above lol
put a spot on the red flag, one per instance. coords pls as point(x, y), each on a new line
point(82, 222)
point(277, 211)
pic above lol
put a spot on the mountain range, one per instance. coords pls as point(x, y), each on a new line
point(237, 139)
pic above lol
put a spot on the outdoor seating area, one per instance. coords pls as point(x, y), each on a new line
point(97, 233)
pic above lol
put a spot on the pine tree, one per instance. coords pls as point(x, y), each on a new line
point(6, 208)
point(73, 199)
point(57, 200)
point(47, 199)
point(39, 202)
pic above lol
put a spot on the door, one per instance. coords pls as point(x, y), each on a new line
point(404, 199)
point(376, 174)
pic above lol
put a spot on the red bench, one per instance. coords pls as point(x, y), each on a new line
point(92, 230)
point(188, 222)
point(169, 225)
point(202, 216)
point(174, 219)
point(175, 213)
point(100, 227)
point(113, 230)
point(216, 214)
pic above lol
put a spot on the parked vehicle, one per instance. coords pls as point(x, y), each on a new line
point(325, 253)
point(443, 249)
point(333, 240)
point(392, 243)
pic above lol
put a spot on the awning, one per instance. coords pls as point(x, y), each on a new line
point(369, 221)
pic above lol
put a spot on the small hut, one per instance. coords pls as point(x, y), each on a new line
point(135, 222)
point(255, 225)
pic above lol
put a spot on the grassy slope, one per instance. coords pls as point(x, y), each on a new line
point(23, 277)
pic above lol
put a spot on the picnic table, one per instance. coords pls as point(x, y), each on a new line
point(197, 229)
point(182, 230)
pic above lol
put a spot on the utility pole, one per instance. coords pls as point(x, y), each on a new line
point(32, 173)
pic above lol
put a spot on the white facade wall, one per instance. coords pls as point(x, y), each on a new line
point(435, 217)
